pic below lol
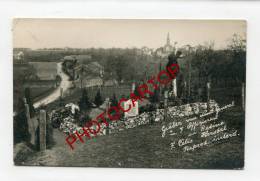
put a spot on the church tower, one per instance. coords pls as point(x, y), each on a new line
point(168, 47)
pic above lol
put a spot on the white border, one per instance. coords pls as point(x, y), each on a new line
point(115, 9)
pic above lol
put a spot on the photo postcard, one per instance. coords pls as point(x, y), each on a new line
point(129, 93)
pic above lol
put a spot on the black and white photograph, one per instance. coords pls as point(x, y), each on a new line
point(129, 93)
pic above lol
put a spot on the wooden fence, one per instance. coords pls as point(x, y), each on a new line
point(108, 91)
point(37, 126)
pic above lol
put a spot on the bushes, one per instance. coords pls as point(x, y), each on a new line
point(84, 102)
point(98, 99)
point(21, 133)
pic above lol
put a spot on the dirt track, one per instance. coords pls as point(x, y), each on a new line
point(64, 84)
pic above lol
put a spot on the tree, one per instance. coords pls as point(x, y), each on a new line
point(27, 95)
point(81, 75)
point(114, 101)
point(136, 90)
point(98, 98)
point(21, 132)
point(238, 47)
point(237, 43)
point(84, 102)
point(155, 98)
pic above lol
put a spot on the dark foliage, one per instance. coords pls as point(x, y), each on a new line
point(155, 98)
point(114, 101)
point(21, 133)
point(98, 99)
point(84, 103)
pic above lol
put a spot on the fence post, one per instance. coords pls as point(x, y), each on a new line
point(185, 90)
point(42, 130)
point(174, 87)
point(107, 107)
point(133, 87)
point(208, 93)
point(189, 81)
point(243, 96)
point(29, 122)
point(61, 94)
point(160, 87)
point(165, 104)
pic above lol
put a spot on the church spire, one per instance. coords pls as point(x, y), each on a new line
point(168, 39)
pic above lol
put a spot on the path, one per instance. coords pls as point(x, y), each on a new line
point(64, 84)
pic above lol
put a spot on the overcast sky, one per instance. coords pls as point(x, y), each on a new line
point(80, 33)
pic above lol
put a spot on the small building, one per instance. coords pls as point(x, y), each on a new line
point(81, 59)
point(90, 69)
point(89, 82)
point(19, 57)
point(111, 82)
point(93, 82)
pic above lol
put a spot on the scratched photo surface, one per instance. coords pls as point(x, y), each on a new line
point(129, 93)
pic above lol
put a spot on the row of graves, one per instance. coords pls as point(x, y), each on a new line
point(64, 119)
point(189, 126)
point(186, 127)
point(131, 121)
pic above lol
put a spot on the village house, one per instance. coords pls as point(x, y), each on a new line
point(81, 59)
point(111, 82)
point(88, 75)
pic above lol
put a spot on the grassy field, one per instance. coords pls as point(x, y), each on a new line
point(41, 92)
point(144, 147)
